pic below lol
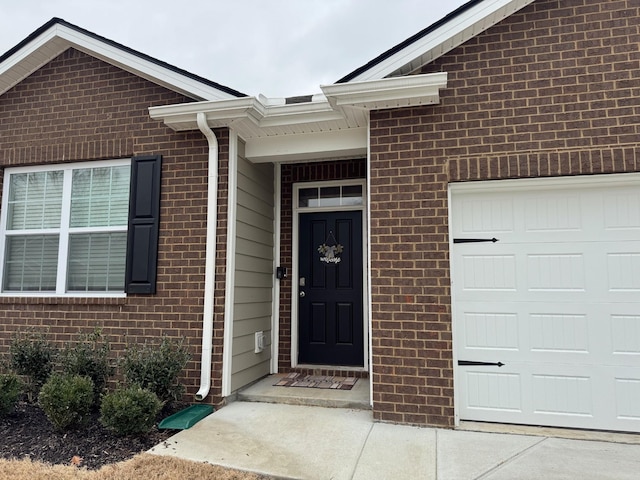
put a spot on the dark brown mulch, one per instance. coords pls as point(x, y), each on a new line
point(26, 432)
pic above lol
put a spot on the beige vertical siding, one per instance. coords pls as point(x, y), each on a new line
point(254, 276)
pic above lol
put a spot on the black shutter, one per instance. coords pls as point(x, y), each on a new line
point(144, 223)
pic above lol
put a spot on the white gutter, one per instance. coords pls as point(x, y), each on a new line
point(210, 258)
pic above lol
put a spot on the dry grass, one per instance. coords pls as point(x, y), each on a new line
point(146, 466)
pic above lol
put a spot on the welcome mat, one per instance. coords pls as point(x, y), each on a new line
point(316, 381)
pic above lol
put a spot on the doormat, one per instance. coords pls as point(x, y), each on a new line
point(316, 381)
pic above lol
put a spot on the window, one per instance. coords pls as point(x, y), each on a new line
point(330, 196)
point(64, 228)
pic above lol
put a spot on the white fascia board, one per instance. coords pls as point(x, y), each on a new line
point(387, 93)
point(58, 38)
point(139, 66)
point(29, 50)
point(220, 113)
point(443, 39)
point(299, 113)
point(336, 144)
point(29, 59)
point(224, 112)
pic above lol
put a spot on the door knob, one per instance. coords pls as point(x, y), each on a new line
point(302, 294)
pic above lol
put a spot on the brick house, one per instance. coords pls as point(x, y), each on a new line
point(458, 219)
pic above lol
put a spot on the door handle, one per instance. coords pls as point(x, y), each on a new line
point(302, 294)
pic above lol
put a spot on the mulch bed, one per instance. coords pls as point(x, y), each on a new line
point(27, 433)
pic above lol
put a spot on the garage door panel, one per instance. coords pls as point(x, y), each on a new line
point(556, 300)
point(493, 391)
point(622, 209)
point(585, 333)
point(623, 270)
point(572, 272)
point(543, 216)
point(627, 392)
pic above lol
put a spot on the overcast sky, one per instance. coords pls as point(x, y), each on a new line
point(275, 47)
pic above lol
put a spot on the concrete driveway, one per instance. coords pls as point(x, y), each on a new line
point(305, 442)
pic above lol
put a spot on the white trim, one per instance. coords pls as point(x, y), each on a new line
point(230, 280)
point(368, 266)
point(295, 268)
point(387, 93)
point(275, 315)
point(454, 339)
point(443, 39)
point(60, 37)
point(349, 143)
point(63, 230)
point(544, 183)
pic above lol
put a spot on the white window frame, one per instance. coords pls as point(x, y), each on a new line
point(63, 231)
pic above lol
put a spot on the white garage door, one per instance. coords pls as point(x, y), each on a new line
point(556, 300)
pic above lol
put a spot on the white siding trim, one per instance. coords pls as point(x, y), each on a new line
point(232, 210)
point(275, 316)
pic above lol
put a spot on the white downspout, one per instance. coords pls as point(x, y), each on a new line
point(210, 258)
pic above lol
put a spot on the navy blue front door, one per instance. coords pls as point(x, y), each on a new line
point(330, 284)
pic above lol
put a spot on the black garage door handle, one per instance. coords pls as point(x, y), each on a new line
point(475, 240)
point(479, 364)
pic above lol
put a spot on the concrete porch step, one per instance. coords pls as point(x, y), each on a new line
point(264, 391)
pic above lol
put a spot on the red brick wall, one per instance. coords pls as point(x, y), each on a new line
point(294, 173)
point(552, 90)
point(78, 108)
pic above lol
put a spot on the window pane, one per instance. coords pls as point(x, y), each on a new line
point(329, 196)
point(35, 200)
point(96, 262)
point(352, 195)
point(308, 197)
point(100, 197)
point(31, 263)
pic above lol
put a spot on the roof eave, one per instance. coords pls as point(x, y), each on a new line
point(56, 36)
point(436, 40)
point(413, 90)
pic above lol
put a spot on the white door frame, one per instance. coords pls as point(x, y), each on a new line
point(295, 271)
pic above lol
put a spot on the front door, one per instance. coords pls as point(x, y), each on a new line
point(330, 284)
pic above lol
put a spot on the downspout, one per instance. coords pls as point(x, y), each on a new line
point(210, 258)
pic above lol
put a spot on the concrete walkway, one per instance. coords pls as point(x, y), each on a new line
point(310, 442)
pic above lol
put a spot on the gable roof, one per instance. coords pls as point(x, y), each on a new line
point(57, 35)
point(437, 39)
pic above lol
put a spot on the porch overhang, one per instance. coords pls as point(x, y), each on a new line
point(331, 125)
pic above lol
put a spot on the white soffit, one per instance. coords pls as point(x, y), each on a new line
point(60, 37)
point(443, 39)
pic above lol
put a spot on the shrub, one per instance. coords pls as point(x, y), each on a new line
point(156, 368)
point(32, 356)
point(10, 389)
point(66, 400)
point(130, 410)
point(89, 357)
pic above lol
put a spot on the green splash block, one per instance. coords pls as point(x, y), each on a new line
point(186, 418)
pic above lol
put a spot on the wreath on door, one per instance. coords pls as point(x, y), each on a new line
point(330, 251)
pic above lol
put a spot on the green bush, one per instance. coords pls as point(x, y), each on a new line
point(89, 357)
point(10, 389)
point(66, 400)
point(157, 367)
point(132, 410)
point(32, 356)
